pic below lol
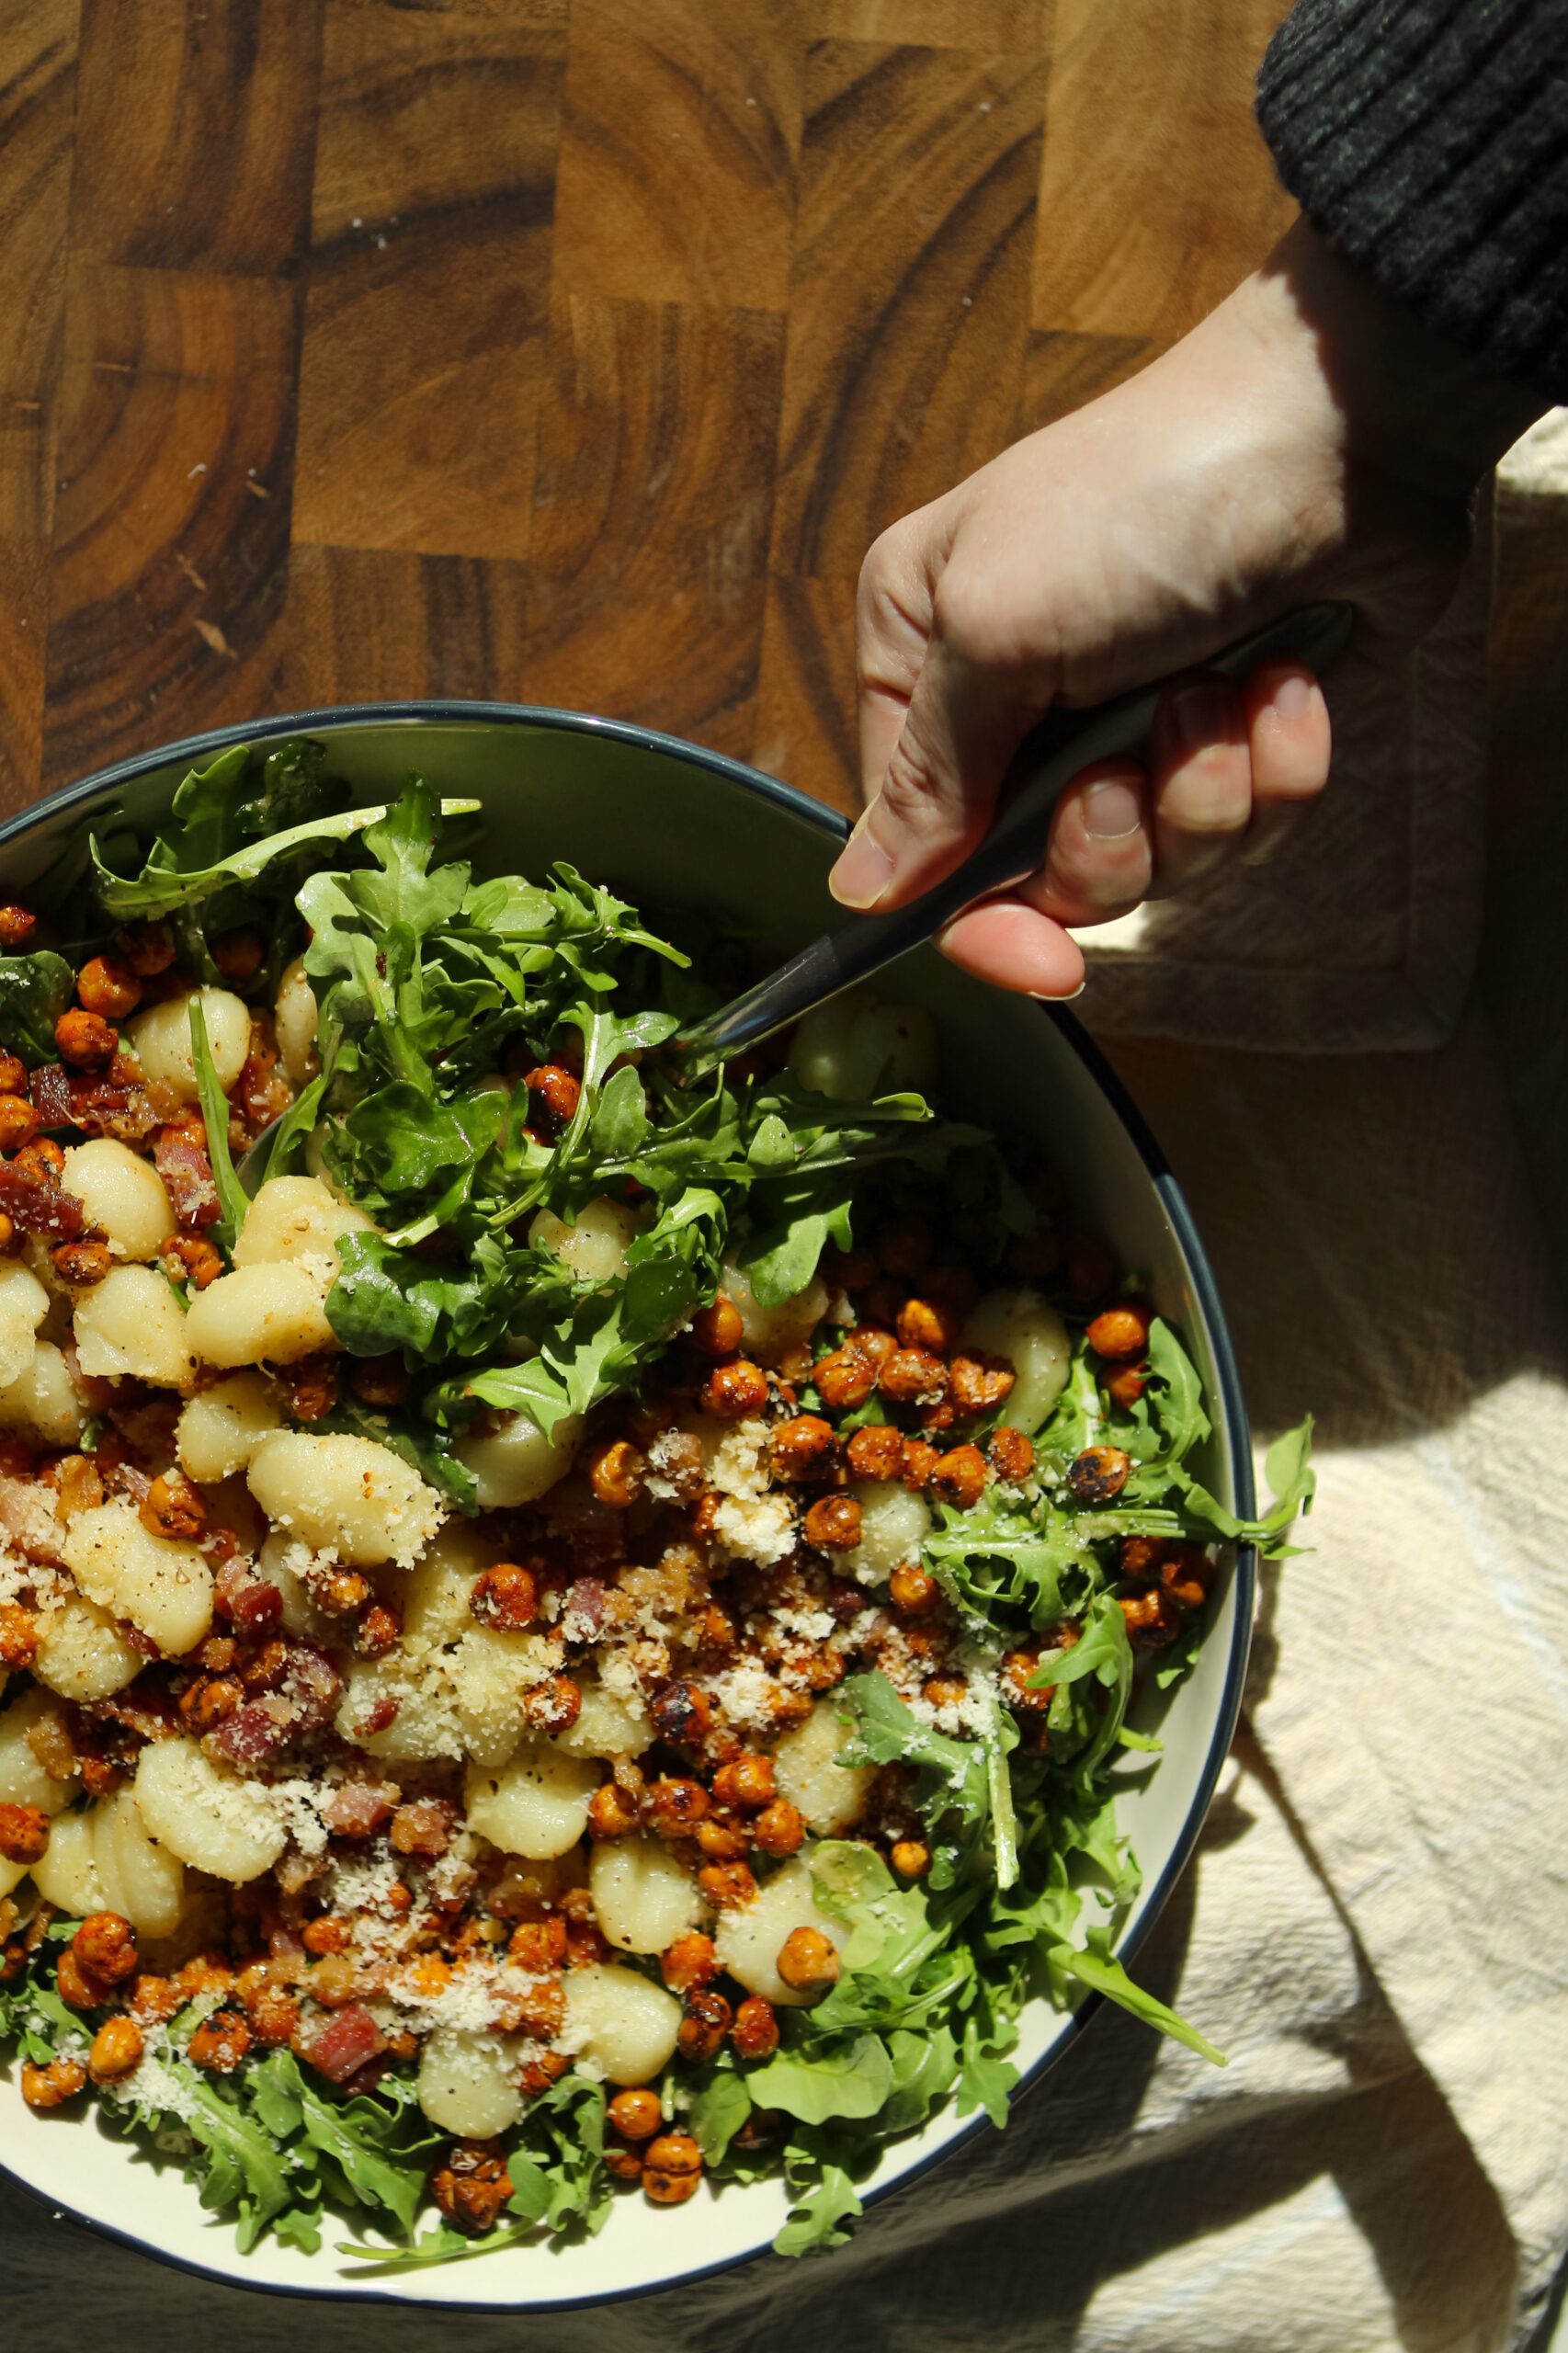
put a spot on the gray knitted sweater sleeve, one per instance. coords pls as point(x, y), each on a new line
point(1427, 141)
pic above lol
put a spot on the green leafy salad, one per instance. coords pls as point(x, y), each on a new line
point(573, 1636)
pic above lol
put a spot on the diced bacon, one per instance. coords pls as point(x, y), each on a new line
point(256, 1608)
point(28, 1518)
point(339, 2046)
point(35, 1206)
point(584, 1610)
point(253, 1735)
point(312, 1685)
point(358, 1808)
point(50, 1091)
point(181, 1158)
point(261, 1090)
point(377, 1717)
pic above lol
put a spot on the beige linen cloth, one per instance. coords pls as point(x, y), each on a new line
point(1376, 1925)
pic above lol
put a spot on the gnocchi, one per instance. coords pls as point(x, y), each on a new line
point(619, 2022)
point(220, 1430)
point(1027, 1331)
point(160, 1038)
point(749, 1939)
point(162, 1587)
point(769, 1332)
point(275, 1311)
point(856, 1048)
point(467, 2082)
point(131, 1327)
point(294, 1016)
point(43, 1400)
point(642, 1896)
point(24, 1303)
point(830, 1797)
point(296, 1220)
point(83, 1655)
point(536, 1805)
point(893, 1523)
point(206, 1815)
point(122, 1195)
point(346, 1495)
point(23, 1780)
point(594, 1247)
point(513, 1463)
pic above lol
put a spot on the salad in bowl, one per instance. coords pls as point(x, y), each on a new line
point(570, 1640)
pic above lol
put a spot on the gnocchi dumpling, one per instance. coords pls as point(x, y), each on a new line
point(24, 1303)
point(67, 1874)
point(608, 1723)
point(206, 1815)
point(161, 1586)
point(273, 1312)
point(123, 1194)
point(82, 1653)
point(294, 1016)
point(160, 1038)
point(620, 2023)
point(23, 1780)
point(537, 1804)
point(595, 1247)
point(131, 1327)
point(643, 1896)
point(513, 1463)
point(894, 1523)
point(467, 2082)
point(749, 1939)
point(220, 1430)
point(345, 1495)
point(296, 1218)
point(832, 1796)
point(856, 1047)
point(1027, 1331)
point(43, 1400)
point(769, 1332)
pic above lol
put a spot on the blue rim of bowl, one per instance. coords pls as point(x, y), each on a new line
point(193, 751)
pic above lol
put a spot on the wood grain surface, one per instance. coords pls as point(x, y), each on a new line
point(569, 350)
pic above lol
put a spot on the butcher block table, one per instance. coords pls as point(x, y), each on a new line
point(573, 352)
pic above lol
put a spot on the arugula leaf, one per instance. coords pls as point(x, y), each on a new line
point(231, 1197)
point(35, 990)
point(851, 2079)
point(1095, 1964)
point(818, 2218)
point(719, 2109)
point(245, 2171)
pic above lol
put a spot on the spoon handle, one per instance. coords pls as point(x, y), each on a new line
point(1050, 757)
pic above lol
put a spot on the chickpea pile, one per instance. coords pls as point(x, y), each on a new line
point(322, 1765)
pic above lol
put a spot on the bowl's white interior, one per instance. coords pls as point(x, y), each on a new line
point(660, 829)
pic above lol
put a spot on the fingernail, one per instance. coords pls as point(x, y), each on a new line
point(1290, 696)
point(864, 869)
point(1111, 810)
point(1202, 714)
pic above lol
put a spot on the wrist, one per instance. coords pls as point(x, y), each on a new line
point(1410, 405)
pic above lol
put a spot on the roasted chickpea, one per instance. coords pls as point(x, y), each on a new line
point(717, 1328)
point(211, 1700)
point(1125, 1383)
point(44, 1159)
point(913, 1376)
point(734, 1390)
point(82, 1263)
point(107, 984)
point(747, 1781)
point(238, 955)
point(1187, 1575)
point(7, 1230)
point(105, 1945)
point(18, 1122)
point(675, 1805)
point(844, 1378)
point(682, 1715)
point(505, 1597)
point(832, 1523)
point(471, 2187)
point(171, 1508)
point(722, 1841)
point(754, 2033)
point(1010, 1455)
point(780, 1828)
point(379, 1632)
point(424, 1827)
point(1015, 1671)
point(1140, 1557)
point(86, 1040)
point(801, 1449)
point(624, 2162)
point(52, 2086)
point(727, 1886)
point(672, 2169)
point(18, 1636)
point(1153, 1617)
point(193, 1259)
point(926, 1323)
point(616, 1474)
point(611, 1812)
point(18, 925)
point(911, 1857)
point(220, 2043)
point(704, 2025)
point(274, 2016)
point(554, 1706)
point(24, 1833)
point(913, 1591)
point(980, 1383)
point(538, 2074)
point(1099, 1475)
point(875, 1451)
point(691, 1960)
point(1119, 1332)
point(636, 2114)
point(13, 1074)
point(148, 950)
point(329, 1934)
point(807, 1960)
point(916, 1462)
point(959, 1478)
point(117, 2050)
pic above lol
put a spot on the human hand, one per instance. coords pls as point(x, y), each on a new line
point(1307, 440)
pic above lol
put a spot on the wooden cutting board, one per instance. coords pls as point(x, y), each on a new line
point(570, 351)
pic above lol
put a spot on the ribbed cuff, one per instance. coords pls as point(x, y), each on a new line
point(1427, 141)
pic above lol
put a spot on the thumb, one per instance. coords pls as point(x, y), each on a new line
point(934, 798)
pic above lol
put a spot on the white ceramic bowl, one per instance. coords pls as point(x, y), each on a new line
point(665, 822)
